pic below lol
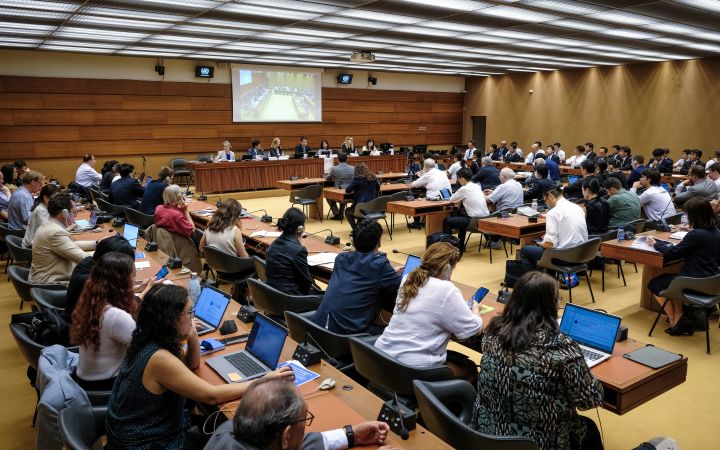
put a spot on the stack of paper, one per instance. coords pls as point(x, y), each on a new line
point(679, 235)
point(321, 258)
point(266, 233)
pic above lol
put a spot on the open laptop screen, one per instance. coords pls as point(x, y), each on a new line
point(591, 328)
point(411, 264)
point(210, 306)
point(131, 232)
point(266, 341)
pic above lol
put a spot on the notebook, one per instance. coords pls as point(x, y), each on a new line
point(261, 354)
point(131, 233)
point(210, 308)
point(411, 264)
point(595, 332)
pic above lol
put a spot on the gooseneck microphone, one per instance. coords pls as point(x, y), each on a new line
point(266, 218)
point(404, 433)
point(330, 240)
point(403, 253)
point(317, 232)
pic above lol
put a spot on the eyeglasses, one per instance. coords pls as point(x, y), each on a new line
point(190, 313)
point(309, 417)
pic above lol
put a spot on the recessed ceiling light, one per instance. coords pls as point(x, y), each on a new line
point(710, 5)
point(515, 35)
point(566, 42)
point(231, 24)
point(294, 5)
point(197, 4)
point(530, 44)
point(523, 15)
point(40, 5)
point(629, 34)
point(571, 7)
point(422, 31)
point(132, 14)
point(458, 5)
point(484, 38)
point(63, 48)
point(624, 18)
point(288, 37)
point(706, 47)
point(578, 25)
point(378, 16)
point(249, 10)
point(17, 12)
point(461, 27)
point(213, 30)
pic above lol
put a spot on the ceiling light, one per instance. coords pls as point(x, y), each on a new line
point(150, 53)
point(535, 45)
point(566, 42)
point(212, 30)
point(63, 48)
point(563, 6)
point(231, 24)
point(706, 47)
point(120, 23)
point(347, 21)
point(460, 27)
point(40, 5)
point(484, 38)
point(248, 10)
point(254, 47)
point(15, 12)
point(427, 32)
point(710, 5)
point(133, 14)
point(458, 5)
point(294, 5)
point(316, 32)
point(197, 4)
point(187, 39)
point(673, 41)
point(83, 44)
point(577, 25)
point(515, 35)
point(288, 37)
point(378, 16)
point(624, 18)
point(629, 34)
point(522, 15)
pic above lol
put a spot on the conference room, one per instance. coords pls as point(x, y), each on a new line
point(283, 151)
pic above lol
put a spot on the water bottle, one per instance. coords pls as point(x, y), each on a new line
point(534, 205)
point(194, 287)
point(621, 234)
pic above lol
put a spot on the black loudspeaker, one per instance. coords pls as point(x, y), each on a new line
point(307, 354)
point(174, 263)
point(266, 219)
point(151, 247)
point(247, 314)
point(622, 334)
point(228, 327)
point(332, 240)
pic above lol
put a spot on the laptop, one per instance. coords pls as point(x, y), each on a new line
point(572, 179)
point(261, 354)
point(131, 233)
point(411, 264)
point(595, 332)
point(210, 308)
point(88, 224)
point(445, 194)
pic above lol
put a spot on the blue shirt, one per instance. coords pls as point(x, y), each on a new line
point(553, 169)
point(635, 175)
point(19, 208)
point(152, 197)
point(361, 284)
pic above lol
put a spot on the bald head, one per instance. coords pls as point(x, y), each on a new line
point(507, 174)
point(429, 164)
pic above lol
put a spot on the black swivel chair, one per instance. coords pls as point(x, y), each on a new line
point(260, 268)
point(179, 165)
point(205, 158)
point(21, 255)
point(19, 278)
point(81, 427)
point(141, 220)
point(571, 260)
point(433, 399)
point(307, 197)
point(386, 375)
point(275, 303)
point(6, 231)
point(230, 269)
point(49, 298)
point(699, 292)
point(106, 206)
point(396, 197)
point(374, 210)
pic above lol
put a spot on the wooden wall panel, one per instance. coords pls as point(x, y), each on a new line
point(65, 118)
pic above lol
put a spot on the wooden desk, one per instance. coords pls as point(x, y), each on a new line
point(348, 403)
point(434, 212)
point(653, 262)
point(250, 175)
point(339, 194)
point(514, 227)
point(567, 170)
point(384, 163)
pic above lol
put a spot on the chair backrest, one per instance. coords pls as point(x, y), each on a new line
point(115, 210)
point(433, 399)
point(336, 345)
point(19, 252)
point(638, 225)
point(5, 230)
point(50, 299)
point(29, 349)
point(19, 278)
point(204, 158)
point(581, 253)
point(313, 191)
point(138, 218)
point(220, 261)
point(378, 204)
point(80, 427)
point(260, 268)
point(705, 286)
point(178, 163)
point(275, 303)
point(402, 195)
point(178, 246)
point(674, 219)
point(389, 374)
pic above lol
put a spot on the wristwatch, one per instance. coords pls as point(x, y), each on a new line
point(350, 436)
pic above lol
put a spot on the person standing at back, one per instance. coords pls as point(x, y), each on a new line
point(362, 283)
point(86, 175)
point(341, 175)
point(365, 188)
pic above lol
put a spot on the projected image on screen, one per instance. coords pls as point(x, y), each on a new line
point(276, 95)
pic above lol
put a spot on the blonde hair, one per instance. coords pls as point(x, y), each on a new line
point(275, 143)
point(172, 194)
point(437, 260)
point(228, 143)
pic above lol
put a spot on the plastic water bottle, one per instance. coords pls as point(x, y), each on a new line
point(620, 234)
point(194, 287)
point(534, 205)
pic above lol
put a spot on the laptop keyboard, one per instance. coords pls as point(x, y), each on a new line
point(591, 355)
point(244, 364)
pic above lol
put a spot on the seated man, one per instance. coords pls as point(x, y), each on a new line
point(655, 200)
point(693, 159)
point(473, 201)
point(553, 168)
point(661, 162)
point(578, 158)
point(432, 180)
point(153, 195)
point(302, 148)
point(54, 253)
point(637, 169)
point(615, 172)
point(126, 190)
point(697, 185)
point(540, 185)
point(86, 175)
point(587, 168)
point(625, 158)
point(488, 176)
point(342, 175)
point(21, 201)
point(273, 415)
point(624, 205)
point(597, 209)
point(714, 174)
point(564, 227)
point(362, 283)
point(508, 194)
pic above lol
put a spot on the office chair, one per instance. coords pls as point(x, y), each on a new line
point(433, 399)
point(275, 303)
point(230, 269)
point(374, 210)
point(307, 197)
point(571, 260)
point(602, 260)
point(6, 231)
point(260, 268)
point(179, 165)
point(142, 220)
point(81, 427)
point(21, 255)
point(106, 206)
point(49, 298)
point(19, 278)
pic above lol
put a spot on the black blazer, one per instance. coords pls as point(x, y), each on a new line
point(574, 190)
point(597, 215)
point(364, 190)
point(539, 188)
point(287, 267)
point(488, 177)
point(125, 192)
point(701, 250)
point(299, 150)
point(665, 165)
point(276, 153)
point(625, 164)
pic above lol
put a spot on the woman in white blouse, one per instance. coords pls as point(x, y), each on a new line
point(428, 310)
point(370, 147)
point(226, 154)
point(39, 213)
point(224, 229)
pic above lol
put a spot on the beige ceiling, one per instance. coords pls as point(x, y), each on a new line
point(453, 37)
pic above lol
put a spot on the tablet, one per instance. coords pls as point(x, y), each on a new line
point(411, 264)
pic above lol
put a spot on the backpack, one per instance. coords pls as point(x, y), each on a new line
point(48, 327)
point(513, 271)
point(443, 237)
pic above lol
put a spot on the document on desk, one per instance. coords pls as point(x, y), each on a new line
point(302, 373)
point(318, 259)
point(679, 235)
point(139, 265)
point(641, 244)
point(266, 233)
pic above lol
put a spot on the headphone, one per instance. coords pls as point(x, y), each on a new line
point(66, 215)
point(300, 230)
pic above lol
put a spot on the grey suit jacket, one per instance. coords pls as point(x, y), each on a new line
point(706, 189)
point(224, 439)
point(343, 174)
point(54, 253)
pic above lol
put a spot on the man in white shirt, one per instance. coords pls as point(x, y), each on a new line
point(86, 175)
point(473, 200)
point(470, 150)
point(714, 174)
point(564, 227)
point(509, 194)
point(432, 180)
point(578, 158)
point(530, 158)
point(655, 200)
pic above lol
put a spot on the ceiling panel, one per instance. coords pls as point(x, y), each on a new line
point(463, 37)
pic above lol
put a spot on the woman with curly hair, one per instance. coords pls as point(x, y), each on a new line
point(102, 322)
point(365, 186)
point(146, 408)
point(223, 231)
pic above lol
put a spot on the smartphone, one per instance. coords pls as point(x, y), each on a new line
point(161, 273)
point(480, 294)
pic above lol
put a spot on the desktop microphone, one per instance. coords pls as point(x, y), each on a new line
point(396, 415)
point(218, 203)
point(265, 218)
point(187, 189)
point(330, 240)
point(202, 197)
point(309, 354)
point(661, 224)
point(403, 253)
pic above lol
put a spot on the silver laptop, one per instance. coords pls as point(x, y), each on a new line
point(595, 332)
point(131, 233)
point(261, 354)
point(88, 224)
point(210, 308)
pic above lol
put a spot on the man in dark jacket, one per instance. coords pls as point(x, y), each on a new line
point(541, 185)
point(488, 176)
point(661, 162)
point(126, 190)
point(575, 190)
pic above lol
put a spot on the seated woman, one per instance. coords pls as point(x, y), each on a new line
point(287, 267)
point(429, 309)
point(276, 150)
point(226, 154)
point(365, 186)
point(223, 230)
point(103, 320)
point(109, 172)
point(9, 174)
point(174, 216)
point(39, 214)
point(255, 150)
point(370, 147)
point(147, 405)
point(532, 377)
point(701, 250)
